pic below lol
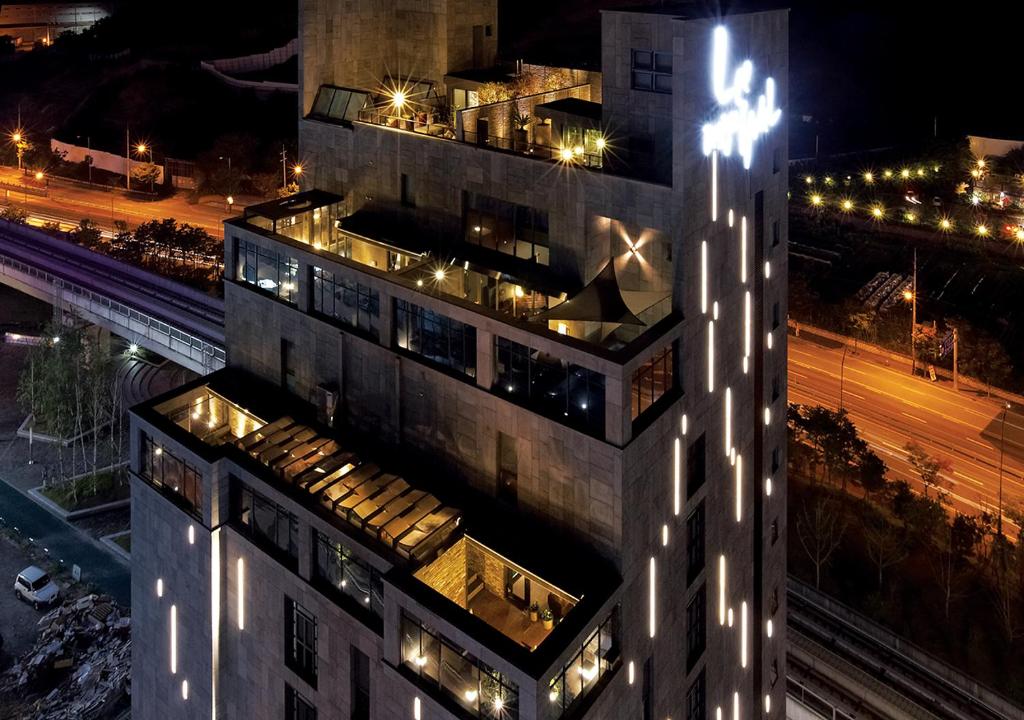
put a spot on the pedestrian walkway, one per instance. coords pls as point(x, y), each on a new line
point(99, 567)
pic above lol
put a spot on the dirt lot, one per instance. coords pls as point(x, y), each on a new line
point(17, 619)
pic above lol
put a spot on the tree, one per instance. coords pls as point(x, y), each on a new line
point(982, 356)
point(1003, 564)
point(927, 467)
point(87, 235)
point(871, 473)
point(820, 528)
point(949, 554)
point(834, 438)
point(14, 214)
point(147, 173)
point(860, 321)
point(885, 545)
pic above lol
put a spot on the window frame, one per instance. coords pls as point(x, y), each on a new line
point(653, 74)
point(300, 656)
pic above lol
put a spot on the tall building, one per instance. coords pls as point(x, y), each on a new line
point(502, 433)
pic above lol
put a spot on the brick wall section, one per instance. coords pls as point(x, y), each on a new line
point(448, 573)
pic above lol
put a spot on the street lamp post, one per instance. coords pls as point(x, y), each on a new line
point(1002, 439)
point(842, 373)
point(913, 319)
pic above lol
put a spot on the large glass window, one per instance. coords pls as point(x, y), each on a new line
point(696, 627)
point(351, 302)
point(300, 637)
point(509, 228)
point(652, 380)
point(268, 270)
point(695, 543)
point(651, 71)
point(172, 475)
point(265, 522)
point(337, 104)
point(569, 393)
point(436, 337)
point(598, 656)
point(481, 690)
point(296, 707)
point(696, 701)
point(336, 569)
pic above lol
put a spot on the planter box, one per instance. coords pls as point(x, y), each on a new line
point(55, 508)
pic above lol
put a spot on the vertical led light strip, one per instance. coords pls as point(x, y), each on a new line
point(735, 706)
point(728, 421)
point(704, 276)
point(677, 490)
point(214, 619)
point(416, 711)
point(743, 634)
point(714, 186)
point(711, 356)
point(174, 639)
point(747, 320)
point(739, 488)
point(743, 249)
point(732, 217)
point(240, 575)
point(653, 599)
point(721, 589)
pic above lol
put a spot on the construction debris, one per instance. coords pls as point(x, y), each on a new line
point(79, 668)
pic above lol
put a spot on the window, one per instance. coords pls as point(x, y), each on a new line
point(174, 477)
point(436, 337)
point(360, 672)
point(773, 603)
point(353, 303)
point(297, 707)
point(777, 160)
point(265, 523)
point(696, 627)
point(775, 531)
point(479, 689)
point(776, 233)
point(773, 675)
point(275, 274)
point(408, 195)
point(598, 656)
point(696, 458)
point(695, 543)
point(775, 315)
point(652, 380)
point(337, 104)
point(300, 641)
point(695, 699)
point(775, 460)
point(488, 30)
point(506, 227)
point(647, 709)
point(651, 71)
point(569, 393)
point(343, 575)
point(775, 388)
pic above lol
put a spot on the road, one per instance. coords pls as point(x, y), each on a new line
point(890, 408)
point(70, 202)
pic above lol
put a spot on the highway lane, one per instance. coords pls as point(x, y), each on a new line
point(71, 202)
point(890, 408)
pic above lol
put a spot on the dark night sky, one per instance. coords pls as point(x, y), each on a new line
point(872, 73)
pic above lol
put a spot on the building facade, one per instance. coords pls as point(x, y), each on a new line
point(502, 432)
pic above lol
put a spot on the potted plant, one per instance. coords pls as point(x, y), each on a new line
point(547, 618)
point(521, 121)
point(534, 612)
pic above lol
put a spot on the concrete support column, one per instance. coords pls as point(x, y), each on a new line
point(618, 427)
point(484, 359)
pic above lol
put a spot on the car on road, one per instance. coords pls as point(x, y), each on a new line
point(34, 586)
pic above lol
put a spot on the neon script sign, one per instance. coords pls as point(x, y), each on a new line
point(741, 120)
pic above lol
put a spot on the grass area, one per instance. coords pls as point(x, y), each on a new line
point(125, 541)
point(89, 492)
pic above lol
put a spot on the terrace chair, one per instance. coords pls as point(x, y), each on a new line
point(419, 541)
point(393, 509)
point(248, 441)
point(369, 507)
point(400, 525)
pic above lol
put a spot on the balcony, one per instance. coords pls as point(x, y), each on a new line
point(509, 598)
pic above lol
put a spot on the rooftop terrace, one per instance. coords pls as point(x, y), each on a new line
point(403, 518)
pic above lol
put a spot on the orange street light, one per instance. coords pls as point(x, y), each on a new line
point(908, 295)
point(39, 175)
point(297, 169)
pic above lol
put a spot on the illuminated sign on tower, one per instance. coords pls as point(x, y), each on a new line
point(741, 120)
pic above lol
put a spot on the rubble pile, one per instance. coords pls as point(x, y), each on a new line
point(80, 666)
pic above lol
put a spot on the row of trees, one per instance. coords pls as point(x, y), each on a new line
point(70, 386)
point(892, 528)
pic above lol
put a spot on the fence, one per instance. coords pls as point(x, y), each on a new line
point(110, 162)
